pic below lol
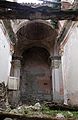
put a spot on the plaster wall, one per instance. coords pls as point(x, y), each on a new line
point(70, 67)
point(5, 56)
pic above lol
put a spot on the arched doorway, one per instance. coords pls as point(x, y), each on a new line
point(35, 83)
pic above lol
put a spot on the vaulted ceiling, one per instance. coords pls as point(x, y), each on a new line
point(35, 33)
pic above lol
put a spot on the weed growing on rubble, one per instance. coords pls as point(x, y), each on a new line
point(53, 113)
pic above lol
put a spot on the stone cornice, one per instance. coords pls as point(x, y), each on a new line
point(64, 31)
point(67, 25)
point(55, 57)
point(9, 29)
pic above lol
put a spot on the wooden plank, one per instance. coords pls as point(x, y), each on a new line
point(23, 117)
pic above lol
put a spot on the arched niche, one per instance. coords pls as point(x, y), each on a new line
point(35, 82)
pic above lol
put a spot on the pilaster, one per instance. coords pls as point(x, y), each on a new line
point(56, 77)
point(16, 66)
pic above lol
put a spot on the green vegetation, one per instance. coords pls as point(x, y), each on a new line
point(53, 113)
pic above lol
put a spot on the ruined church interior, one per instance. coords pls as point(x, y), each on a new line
point(38, 42)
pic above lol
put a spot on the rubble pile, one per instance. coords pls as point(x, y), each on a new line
point(37, 111)
point(2, 96)
point(29, 110)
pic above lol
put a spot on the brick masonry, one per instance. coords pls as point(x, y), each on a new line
point(35, 75)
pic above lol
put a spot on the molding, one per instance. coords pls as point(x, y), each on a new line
point(55, 57)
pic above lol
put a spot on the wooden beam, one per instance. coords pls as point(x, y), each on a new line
point(58, 15)
point(23, 117)
point(12, 10)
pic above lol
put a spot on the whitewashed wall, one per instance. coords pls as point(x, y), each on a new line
point(5, 56)
point(70, 67)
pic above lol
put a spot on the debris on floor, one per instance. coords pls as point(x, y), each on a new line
point(3, 96)
point(37, 110)
point(60, 116)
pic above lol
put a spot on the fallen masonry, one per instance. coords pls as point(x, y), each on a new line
point(38, 111)
point(3, 96)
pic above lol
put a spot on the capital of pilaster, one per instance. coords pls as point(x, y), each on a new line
point(55, 61)
point(16, 63)
point(17, 57)
point(61, 51)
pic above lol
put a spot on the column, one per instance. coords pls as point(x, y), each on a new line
point(55, 65)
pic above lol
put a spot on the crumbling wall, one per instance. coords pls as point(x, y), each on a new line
point(3, 96)
point(35, 75)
